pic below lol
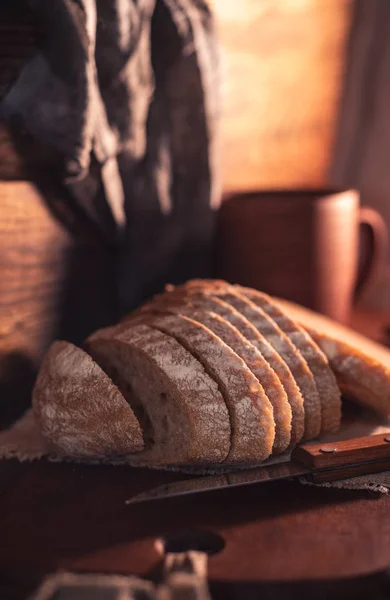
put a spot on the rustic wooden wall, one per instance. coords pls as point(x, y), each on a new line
point(56, 280)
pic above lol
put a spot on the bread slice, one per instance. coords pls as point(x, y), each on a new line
point(251, 414)
point(171, 302)
point(183, 414)
point(361, 366)
point(80, 411)
point(329, 391)
point(275, 337)
point(281, 343)
point(260, 368)
point(254, 360)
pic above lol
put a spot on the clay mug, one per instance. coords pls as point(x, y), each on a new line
point(318, 248)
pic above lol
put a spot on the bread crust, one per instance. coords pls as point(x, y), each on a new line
point(265, 326)
point(361, 366)
point(80, 411)
point(251, 413)
point(214, 314)
point(281, 343)
point(325, 380)
point(201, 431)
point(257, 364)
point(170, 301)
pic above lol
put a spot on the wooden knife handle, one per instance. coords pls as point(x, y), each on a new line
point(349, 458)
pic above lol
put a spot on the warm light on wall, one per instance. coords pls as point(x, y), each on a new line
point(282, 64)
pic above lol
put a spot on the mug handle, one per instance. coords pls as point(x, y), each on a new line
point(373, 241)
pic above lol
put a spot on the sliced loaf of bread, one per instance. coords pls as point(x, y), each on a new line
point(181, 410)
point(257, 364)
point(251, 413)
point(328, 390)
point(280, 342)
point(361, 366)
point(172, 302)
point(252, 358)
point(268, 331)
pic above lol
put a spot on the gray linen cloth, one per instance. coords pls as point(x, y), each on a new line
point(125, 95)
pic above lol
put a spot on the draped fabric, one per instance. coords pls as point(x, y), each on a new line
point(125, 95)
point(361, 151)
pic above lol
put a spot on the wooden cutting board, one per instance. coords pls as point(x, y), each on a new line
point(75, 517)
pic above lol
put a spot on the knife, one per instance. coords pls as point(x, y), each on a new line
point(316, 462)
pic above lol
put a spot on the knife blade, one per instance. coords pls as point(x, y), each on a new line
point(210, 483)
point(319, 462)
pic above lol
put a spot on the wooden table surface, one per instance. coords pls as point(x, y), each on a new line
point(76, 517)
